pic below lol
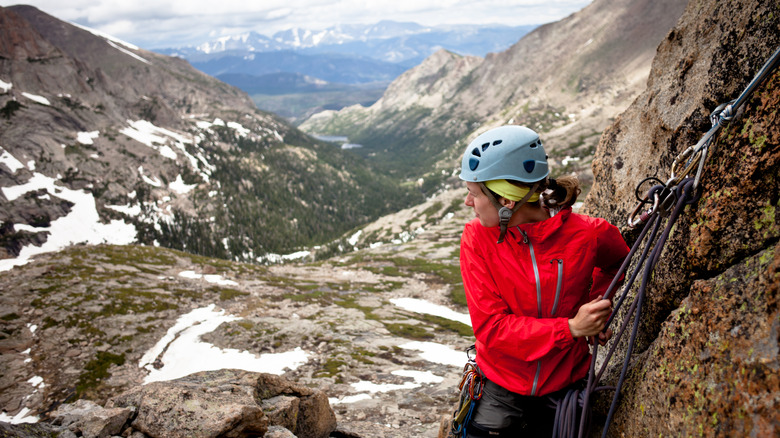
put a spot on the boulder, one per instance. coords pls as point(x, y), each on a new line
point(91, 420)
point(227, 403)
point(314, 419)
point(33, 430)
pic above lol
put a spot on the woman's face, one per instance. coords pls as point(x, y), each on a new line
point(483, 208)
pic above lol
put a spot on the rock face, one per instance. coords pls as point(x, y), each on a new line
point(707, 360)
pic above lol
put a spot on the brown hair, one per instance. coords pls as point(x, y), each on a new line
point(557, 193)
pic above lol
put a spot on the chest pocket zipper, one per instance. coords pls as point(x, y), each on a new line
point(559, 286)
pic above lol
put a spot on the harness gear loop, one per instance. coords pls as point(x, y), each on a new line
point(472, 383)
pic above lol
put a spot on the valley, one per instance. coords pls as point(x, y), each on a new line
point(364, 327)
point(154, 222)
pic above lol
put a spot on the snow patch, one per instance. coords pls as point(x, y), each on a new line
point(428, 308)
point(21, 417)
point(437, 353)
point(180, 187)
point(164, 141)
point(35, 98)
point(182, 352)
point(81, 225)
point(5, 86)
point(277, 258)
point(243, 132)
point(10, 162)
point(127, 52)
point(569, 159)
point(152, 182)
point(216, 279)
point(353, 240)
point(420, 378)
point(106, 36)
point(87, 137)
point(129, 210)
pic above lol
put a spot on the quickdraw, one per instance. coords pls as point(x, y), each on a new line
point(471, 385)
point(695, 156)
point(665, 201)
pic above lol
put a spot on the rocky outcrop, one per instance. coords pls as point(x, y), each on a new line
point(707, 359)
point(224, 403)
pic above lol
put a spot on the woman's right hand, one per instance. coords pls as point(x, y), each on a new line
point(591, 318)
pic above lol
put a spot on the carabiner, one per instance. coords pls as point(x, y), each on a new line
point(645, 214)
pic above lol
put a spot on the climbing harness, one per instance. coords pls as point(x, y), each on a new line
point(666, 202)
point(471, 385)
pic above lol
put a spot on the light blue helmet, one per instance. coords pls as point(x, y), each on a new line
point(509, 152)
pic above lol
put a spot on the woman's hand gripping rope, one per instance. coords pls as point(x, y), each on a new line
point(590, 321)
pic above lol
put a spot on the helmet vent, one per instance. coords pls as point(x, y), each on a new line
point(497, 142)
point(473, 163)
point(476, 152)
point(485, 146)
point(535, 144)
point(528, 165)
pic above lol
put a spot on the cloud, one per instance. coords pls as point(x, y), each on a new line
point(170, 23)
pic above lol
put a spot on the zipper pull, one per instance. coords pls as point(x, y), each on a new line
point(525, 236)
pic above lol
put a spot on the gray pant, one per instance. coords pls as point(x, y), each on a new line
point(501, 413)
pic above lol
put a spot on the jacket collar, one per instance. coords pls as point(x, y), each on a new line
point(539, 231)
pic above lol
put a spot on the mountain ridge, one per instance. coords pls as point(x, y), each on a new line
point(706, 361)
point(389, 41)
point(160, 145)
point(570, 106)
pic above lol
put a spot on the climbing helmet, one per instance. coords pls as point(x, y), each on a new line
point(509, 152)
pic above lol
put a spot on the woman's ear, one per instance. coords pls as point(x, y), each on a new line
point(506, 203)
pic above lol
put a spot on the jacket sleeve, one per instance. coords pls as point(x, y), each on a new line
point(611, 250)
point(495, 326)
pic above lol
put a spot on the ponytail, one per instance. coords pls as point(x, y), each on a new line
point(556, 193)
point(561, 192)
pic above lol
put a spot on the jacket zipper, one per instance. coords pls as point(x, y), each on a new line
point(558, 286)
point(538, 302)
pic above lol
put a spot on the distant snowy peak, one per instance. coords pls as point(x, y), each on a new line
point(297, 38)
point(250, 41)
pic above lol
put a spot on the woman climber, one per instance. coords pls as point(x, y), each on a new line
point(534, 273)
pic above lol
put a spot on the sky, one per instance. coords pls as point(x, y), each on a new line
point(153, 24)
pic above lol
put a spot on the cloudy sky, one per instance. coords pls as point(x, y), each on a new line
point(173, 23)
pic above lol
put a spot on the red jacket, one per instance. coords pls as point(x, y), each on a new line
point(522, 292)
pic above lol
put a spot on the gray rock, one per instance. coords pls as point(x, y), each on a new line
point(314, 419)
point(103, 423)
point(210, 404)
point(282, 410)
point(229, 403)
point(71, 413)
point(90, 419)
point(32, 430)
point(278, 432)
